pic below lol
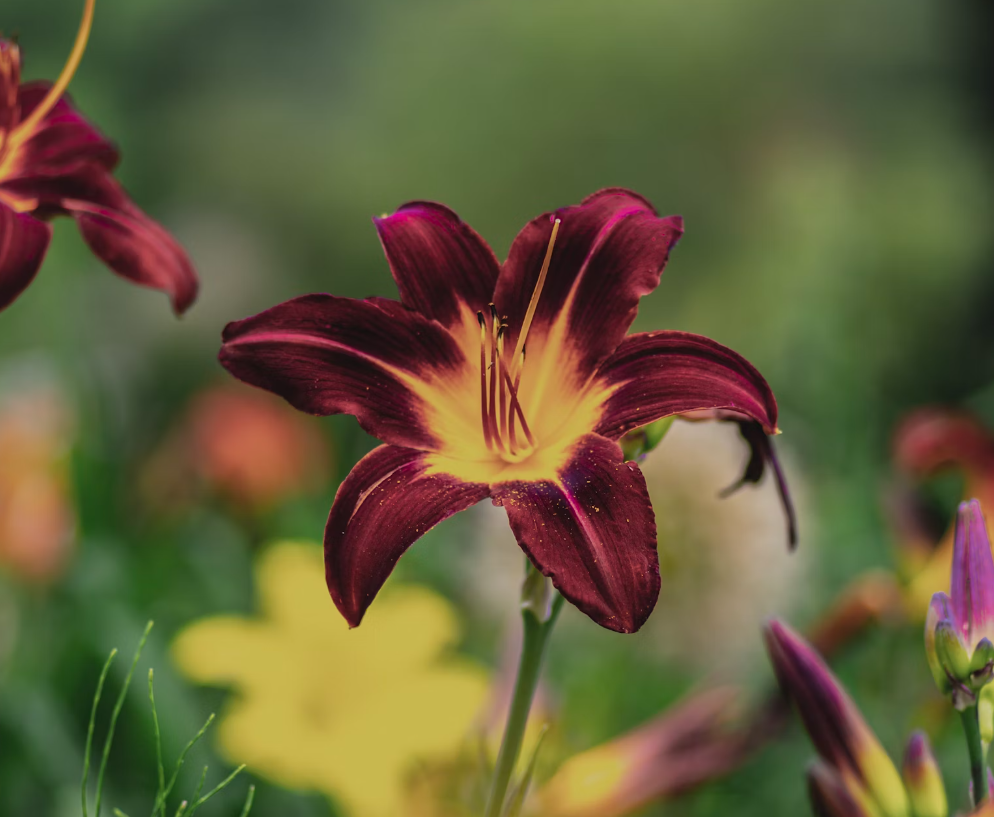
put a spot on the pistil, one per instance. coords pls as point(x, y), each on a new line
point(24, 129)
point(517, 361)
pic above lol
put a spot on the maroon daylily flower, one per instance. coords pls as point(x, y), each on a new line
point(442, 379)
point(53, 162)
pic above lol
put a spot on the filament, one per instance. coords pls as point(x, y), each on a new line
point(502, 376)
point(59, 88)
point(483, 382)
point(494, 378)
point(516, 409)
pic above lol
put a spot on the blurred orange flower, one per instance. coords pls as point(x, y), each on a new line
point(244, 444)
point(37, 517)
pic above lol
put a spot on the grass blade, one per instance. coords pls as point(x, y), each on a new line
point(93, 719)
point(118, 706)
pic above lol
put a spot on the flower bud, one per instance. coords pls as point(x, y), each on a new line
point(640, 441)
point(832, 797)
point(834, 724)
point(959, 627)
point(923, 779)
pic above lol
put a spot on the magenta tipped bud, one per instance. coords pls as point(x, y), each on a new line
point(959, 628)
point(972, 585)
point(834, 724)
point(923, 780)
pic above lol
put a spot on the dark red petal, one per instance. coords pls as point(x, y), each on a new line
point(328, 355)
point(23, 241)
point(62, 143)
point(661, 373)
point(609, 252)
point(387, 502)
point(592, 532)
point(130, 243)
point(438, 261)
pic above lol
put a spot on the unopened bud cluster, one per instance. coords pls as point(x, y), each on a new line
point(960, 626)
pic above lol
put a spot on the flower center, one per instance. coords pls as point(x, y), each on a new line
point(500, 408)
point(23, 130)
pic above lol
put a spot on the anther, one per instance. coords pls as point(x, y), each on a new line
point(55, 93)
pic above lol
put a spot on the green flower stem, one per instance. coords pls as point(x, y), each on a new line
point(536, 637)
point(978, 765)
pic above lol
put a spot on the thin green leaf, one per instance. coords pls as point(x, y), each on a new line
point(93, 719)
point(197, 804)
point(248, 801)
point(118, 706)
point(160, 802)
point(196, 793)
point(158, 737)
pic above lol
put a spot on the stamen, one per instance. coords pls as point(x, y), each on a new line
point(533, 303)
point(514, 401)
point(502, 375)
point(516, 408)
point(494, 374)
point(483, 382)
point(55, 93)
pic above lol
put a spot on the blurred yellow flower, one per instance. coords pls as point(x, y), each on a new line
point(320, 707)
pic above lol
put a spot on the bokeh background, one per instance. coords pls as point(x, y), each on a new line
point(833, 165)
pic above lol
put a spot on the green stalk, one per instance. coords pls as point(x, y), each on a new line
point(537, 629)
point(978, 764)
